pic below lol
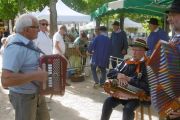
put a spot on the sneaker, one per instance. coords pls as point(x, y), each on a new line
point(96, 85)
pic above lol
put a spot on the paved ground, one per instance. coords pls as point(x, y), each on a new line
point(80, 102)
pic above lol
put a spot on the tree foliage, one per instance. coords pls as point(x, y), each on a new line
point(10, 8)
point(85, 6)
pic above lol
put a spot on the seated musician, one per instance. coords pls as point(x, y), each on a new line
point(131, 71)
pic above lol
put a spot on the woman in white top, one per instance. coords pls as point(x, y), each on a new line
point(43, 40)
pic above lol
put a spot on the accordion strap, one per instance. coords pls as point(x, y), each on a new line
point(28, 46)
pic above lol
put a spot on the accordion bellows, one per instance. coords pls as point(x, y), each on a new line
point(56, 66)
point(164, 78)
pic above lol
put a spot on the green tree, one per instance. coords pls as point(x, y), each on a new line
point(85, 6)
point(10, 8)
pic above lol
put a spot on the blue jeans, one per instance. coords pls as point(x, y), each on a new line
point(128, 110)
point(95, 76)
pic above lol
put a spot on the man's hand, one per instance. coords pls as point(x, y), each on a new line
point(124, 52)
point(123, 79)
point(173, 44)
point(174, 115)
point(41, 75)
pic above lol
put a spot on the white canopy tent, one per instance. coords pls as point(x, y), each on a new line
point(88, 26)
point(127, 24)
point(131, 24)
point(64, 14)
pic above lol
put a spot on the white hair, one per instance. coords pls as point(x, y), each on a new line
point(23, 21)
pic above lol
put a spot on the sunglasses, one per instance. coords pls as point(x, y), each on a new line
point(44, 24)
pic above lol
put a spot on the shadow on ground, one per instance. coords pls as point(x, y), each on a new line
point(61, 112)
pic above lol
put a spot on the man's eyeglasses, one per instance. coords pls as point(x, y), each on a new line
point(36, 27)
point(44, 24)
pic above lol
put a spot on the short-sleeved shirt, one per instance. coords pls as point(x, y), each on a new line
point(58, 37)
point(20, 59)
point(44, 43)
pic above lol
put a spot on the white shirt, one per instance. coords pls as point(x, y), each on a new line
point(44, 43)
point(58, 37)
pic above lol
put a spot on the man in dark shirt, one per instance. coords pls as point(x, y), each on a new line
point(100, 50)
point(119, 43)
point(156, 34)
point(132, 71)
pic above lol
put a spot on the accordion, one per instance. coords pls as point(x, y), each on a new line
point(164, 78)
point(56, 66)
point(124, 92)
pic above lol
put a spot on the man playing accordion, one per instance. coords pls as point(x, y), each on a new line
point(174, 21)
point(131, 71)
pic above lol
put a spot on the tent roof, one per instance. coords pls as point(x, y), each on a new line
point(131, 24)
point(147, 7)
point(164, 2)
point(127, 24)
point(65, 14)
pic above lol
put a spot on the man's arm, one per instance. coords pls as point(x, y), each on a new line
point(78, 51)
point(141, 82)
point(57, 47)
point(91, 46)
point(174, 115)
point(9, 78)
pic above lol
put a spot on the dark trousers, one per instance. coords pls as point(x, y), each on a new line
point(102, 78)
point(128, 110)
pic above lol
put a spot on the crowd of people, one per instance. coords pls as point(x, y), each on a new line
point(21, 72)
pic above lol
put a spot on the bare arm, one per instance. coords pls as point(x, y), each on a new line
point(9, 78)
point(78, 51)
point(57, 47)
